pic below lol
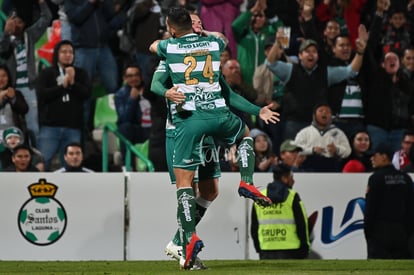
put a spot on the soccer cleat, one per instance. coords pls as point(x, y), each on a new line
point(192, 249)
point(250, 191)
point(198, 265)
point(174, 251)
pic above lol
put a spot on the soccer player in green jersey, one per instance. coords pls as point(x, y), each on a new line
point(198, 110)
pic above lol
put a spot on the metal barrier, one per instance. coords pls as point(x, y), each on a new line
point(129, 148)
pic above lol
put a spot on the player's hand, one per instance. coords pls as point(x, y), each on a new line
point(174, 95)
point(267, 115)
point(154, 45)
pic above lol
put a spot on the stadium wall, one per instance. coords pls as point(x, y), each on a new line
point(116, 216)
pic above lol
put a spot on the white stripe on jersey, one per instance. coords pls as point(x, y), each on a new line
point(201, 86)
point(175, 48)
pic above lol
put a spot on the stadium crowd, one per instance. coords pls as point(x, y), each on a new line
point(374, 103)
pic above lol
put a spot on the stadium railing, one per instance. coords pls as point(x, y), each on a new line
point(130, 149)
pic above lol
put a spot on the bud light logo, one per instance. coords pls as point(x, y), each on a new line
point(327, 236)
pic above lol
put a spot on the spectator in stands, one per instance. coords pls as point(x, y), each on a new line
point(286, 214)
point(144, 27)
point(267, 85)
point(397, 33)
point(92, 23)
point(409, 168)
point(349, 10)
point(389, 208)
point(264, 156)
point(22, 160)
point(269, 90)
point(360, 158)
point(251, 29)
point(225, 55)
point(13, 106)
point(290, 154)
point(400, 158)
point(13, 137)
point(73, 159)
point(306, 83)
point(17, 48)
point(309, 26)
point(345, 97)
point(233, 76)
point(407, 62)
point(389, 97)
point(156, 146)
point(62, 90)
point(218, 16)
point(324, 144)
point(327, 11)
point(134, 111)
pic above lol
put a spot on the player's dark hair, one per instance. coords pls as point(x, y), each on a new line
point(179, 18)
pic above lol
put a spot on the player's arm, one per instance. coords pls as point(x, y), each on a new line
point(217, 35)
point(240, 103)
point(154, 46)
point(159, 79)
point(161, 84)
point(237, 101)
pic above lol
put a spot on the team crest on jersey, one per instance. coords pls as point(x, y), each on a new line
point(203, 100)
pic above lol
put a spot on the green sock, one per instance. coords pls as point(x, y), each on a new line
point(177, 239)
point(199, 213)
point(246, 159)
point(186, 213)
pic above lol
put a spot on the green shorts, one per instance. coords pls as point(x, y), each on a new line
point(210, 170)
point(190, 136)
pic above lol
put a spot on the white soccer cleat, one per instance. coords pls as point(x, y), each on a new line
point(174, 251)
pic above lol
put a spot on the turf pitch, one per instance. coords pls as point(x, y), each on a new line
point(217, 267)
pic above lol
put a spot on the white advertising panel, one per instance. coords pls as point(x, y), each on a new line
point(80, 216)
point(338, 232)
point(61, 216)
point(152, 201)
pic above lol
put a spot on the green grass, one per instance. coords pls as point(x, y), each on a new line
point(215, 267)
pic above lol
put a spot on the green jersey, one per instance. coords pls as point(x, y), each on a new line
point(194, 66)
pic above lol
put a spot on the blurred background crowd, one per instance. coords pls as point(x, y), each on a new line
point(70, 66)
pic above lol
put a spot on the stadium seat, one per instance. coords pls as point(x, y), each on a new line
point(143, 148)
point(105, 113)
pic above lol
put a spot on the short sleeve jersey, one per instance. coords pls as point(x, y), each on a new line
point(194, 66)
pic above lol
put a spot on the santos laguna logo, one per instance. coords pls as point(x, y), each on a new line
point(42, 219)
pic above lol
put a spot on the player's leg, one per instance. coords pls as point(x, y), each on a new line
point(192, 245)
point(187, 157)
point(208, 174)
point(233, 129)
point(205, 187)
point(174, 247)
